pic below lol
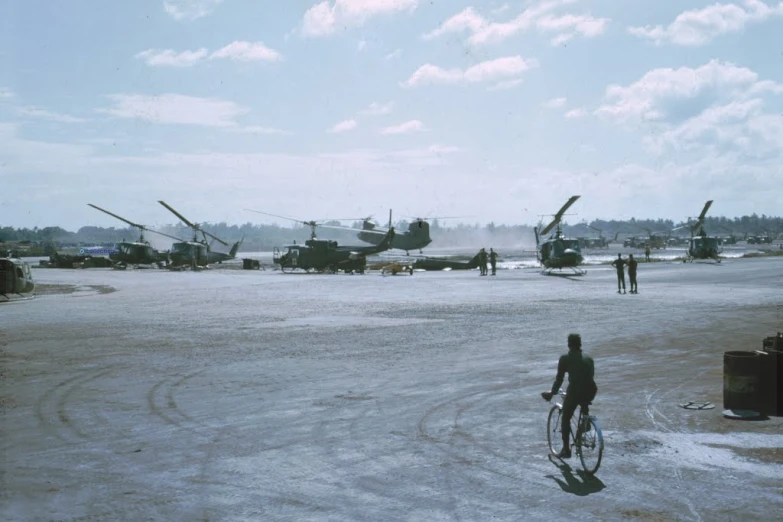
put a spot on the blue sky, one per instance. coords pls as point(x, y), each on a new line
point(497, 111)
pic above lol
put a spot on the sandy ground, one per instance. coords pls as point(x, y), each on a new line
point(247, 395)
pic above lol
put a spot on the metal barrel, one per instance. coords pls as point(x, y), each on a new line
point(740, 380)
point(771, 381)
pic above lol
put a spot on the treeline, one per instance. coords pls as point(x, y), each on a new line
point(265, 237)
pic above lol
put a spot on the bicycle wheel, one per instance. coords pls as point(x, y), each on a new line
point(554, 435)
point(591, 445)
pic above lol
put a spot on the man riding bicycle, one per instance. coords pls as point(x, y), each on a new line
point(581, 386)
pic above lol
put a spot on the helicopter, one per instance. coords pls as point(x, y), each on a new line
point(197, 253)
point(415, 238)
point(595, 242)
point(435, 263)
point(558, 252)
point(701, 246)
point(324, 255)
point(731, 239)
point(16, 279)
point(139, 252)
point(652, 240)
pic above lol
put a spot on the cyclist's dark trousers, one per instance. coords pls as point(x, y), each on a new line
point(632, 280)
point(620, 280)
point(569, 407)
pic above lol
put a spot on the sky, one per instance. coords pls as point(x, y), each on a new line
point(487, 111)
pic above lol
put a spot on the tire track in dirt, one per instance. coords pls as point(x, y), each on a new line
point(52, 408)
point(452, 415)
point(161, 402)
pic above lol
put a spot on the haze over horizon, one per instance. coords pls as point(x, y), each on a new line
point(495, 111)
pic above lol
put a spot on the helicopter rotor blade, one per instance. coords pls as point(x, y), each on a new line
point(180, 216)
point(337, 219)
point(131, 223)
point(704, 210)
point(163, 234)
point(213, 237)
point(281, 217)
point(559, 215)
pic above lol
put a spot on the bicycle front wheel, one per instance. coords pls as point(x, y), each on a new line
point(591, 446)
point(554, 432)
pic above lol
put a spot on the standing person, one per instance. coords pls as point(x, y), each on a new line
point(493, 260)
point(632, 273)
point(619, 264)
point(483, 262)
point(581, 386)
point(647, 253)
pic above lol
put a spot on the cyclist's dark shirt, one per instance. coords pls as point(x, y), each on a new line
point(619, 264)
point(580, 369)
point(632, 266)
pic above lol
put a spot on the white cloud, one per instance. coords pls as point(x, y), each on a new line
point(378, 109)
point(326, 17)
point(649, 97)
point(176, 109)
point(575, 113)
point(569, 26)
point(508, 84)
point(343, 126)
point(190, 9)
point(42, 114)
point(485, 32)
point(361, 45)
point(555, 103)
point(6, 93)
point(491, 70)
point(700, 26)
point(237, 51)
point(404, 128)
point(171, 58)
point(394, 54)
point(739, 126)
point(247, 52)
point(712, 110)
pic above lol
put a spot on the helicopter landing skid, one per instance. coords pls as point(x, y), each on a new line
point(574, 271)
point(12, 298)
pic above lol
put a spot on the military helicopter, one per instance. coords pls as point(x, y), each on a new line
point(558, 252)
point(415, 238)
point(731, 239)
point(653, 240)
point(324, 255)
point(197, 253)
point(595, 242)
point(702, 246)
point(139, 252)
point(435, 263)
point(16, 280)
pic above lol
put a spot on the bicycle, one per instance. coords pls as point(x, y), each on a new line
point(586, 436)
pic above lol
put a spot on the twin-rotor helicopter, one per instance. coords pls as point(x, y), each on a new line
point(325, 255)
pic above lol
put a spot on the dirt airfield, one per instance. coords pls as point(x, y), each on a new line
point(246, 395)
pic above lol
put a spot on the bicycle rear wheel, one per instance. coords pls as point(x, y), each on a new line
point(591, 445)
point(554, 433)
